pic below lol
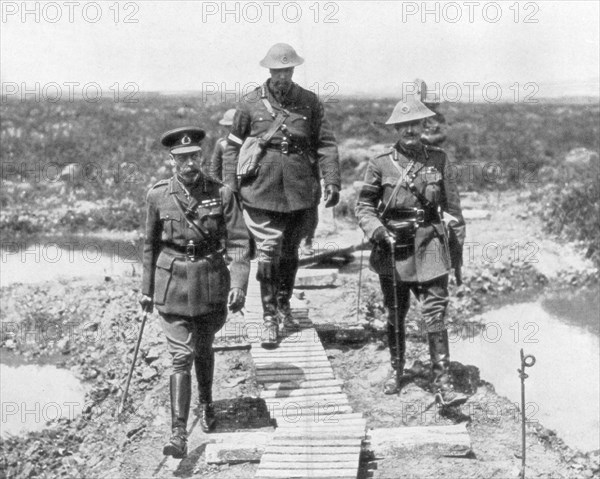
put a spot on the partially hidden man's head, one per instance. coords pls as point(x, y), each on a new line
point(281, 60)
point(185, 151)
point(430, 98)
point(407, 118)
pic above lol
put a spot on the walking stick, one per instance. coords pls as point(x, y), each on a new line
point(135, 353)
point(526, 362)
point(396, 319)
point(359, 279)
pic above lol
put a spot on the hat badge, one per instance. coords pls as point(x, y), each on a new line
point(405, 109)
point(284, 59)
point(186, 140)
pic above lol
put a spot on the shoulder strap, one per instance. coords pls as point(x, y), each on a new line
point(275, 125)
point(198, 228)
point(403, 175)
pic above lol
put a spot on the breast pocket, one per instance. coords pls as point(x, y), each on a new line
point(404, 198)
point(170, 225)
point(260, 125)
point(298, 124)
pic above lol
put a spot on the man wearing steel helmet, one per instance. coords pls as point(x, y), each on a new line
point(216, 161)
point(406, 195)
point(279, 200)
point(195, 266)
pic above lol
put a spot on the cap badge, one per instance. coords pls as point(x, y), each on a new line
point(186, 140)
point(405, 109)
point(284, 59)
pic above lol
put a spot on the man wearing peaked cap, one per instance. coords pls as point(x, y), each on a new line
point(406, 198)
point(281, 197)
point(186, 139)
point(195, 266)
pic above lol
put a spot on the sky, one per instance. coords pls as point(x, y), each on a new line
point(472, 48)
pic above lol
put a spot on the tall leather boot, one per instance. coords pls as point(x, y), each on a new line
point(439, 352)
point(287, 277)
point(267, 275)
point(396, 357)
point(181, 392)
point(204, 375)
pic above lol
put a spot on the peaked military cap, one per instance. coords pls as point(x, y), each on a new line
point(281, 55)
point(186, 139)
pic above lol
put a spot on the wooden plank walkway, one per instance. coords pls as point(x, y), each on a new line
point(317, 435)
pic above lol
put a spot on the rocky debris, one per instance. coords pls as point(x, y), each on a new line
point(233, 448)
point(49, 453)
point(153, 354)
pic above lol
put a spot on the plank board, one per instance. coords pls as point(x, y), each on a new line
point(301, 392)
point(276, 376)
point(318, 435)
point(452, 440)
point(291, 465)
point(310, 450)
point(311, 442)
point(274, 386)
point(307, 474)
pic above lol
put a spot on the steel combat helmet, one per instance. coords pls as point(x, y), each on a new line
point(409, 108)
point(227, 119)
point(281, 55)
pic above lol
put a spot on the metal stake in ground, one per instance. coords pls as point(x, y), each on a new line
point(135, 353)
point(526, 362)
point(399, 360)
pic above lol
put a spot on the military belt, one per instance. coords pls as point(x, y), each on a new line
point(286, 148)
point(192, 251)
point(421, 216)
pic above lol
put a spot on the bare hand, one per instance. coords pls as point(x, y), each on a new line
point(332, 195)
point(236, 299)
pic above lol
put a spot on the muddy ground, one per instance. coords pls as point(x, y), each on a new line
point(98, 322)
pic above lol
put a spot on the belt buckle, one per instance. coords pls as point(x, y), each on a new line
point(285, 147)
point(420, 216)
point(190, 251)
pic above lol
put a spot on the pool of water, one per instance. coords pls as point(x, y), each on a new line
point(561, 331)
point(53, 258)
point(33, 395)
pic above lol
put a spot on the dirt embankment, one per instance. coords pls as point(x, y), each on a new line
point(100, 321)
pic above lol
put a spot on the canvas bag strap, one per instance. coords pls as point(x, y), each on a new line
point(403, 175)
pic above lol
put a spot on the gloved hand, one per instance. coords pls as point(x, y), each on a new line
point(381, 236)
point(147, 303)
point(236, 299)
point(332, 195)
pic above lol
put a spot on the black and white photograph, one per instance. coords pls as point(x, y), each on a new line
point(299, 240)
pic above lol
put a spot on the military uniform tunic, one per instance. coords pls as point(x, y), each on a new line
point(423, 266)
point(429, 257)
point(187, 274)
point(215, 168)
point(285, 182)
